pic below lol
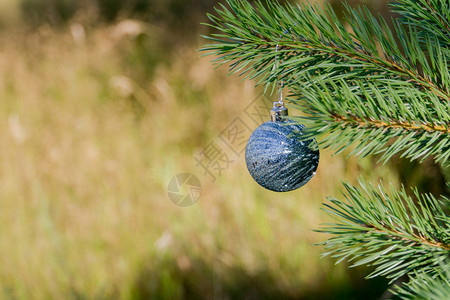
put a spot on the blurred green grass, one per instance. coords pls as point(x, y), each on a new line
point(96, 118)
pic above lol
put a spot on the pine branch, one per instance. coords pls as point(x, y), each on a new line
point(393, 233)
point(431, 17)
point(425, 287)
point(307, 35)
point(375, 120)
point(328, 67)
point(355, 59)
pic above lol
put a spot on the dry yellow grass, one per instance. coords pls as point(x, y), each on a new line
point(88, 145)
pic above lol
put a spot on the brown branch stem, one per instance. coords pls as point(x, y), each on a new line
point(389, 64)
point(420, 239)
point(394, 124)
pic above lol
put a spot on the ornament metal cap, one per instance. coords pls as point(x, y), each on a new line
point(278, 112)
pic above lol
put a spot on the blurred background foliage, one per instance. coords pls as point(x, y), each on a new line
point(102, 103)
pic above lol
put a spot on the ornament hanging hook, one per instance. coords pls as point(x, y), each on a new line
point(279, 111)
point(280, 101)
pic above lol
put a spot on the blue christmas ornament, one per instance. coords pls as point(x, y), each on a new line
point(276, 156)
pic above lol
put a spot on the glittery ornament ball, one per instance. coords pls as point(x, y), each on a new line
point(278, 159)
